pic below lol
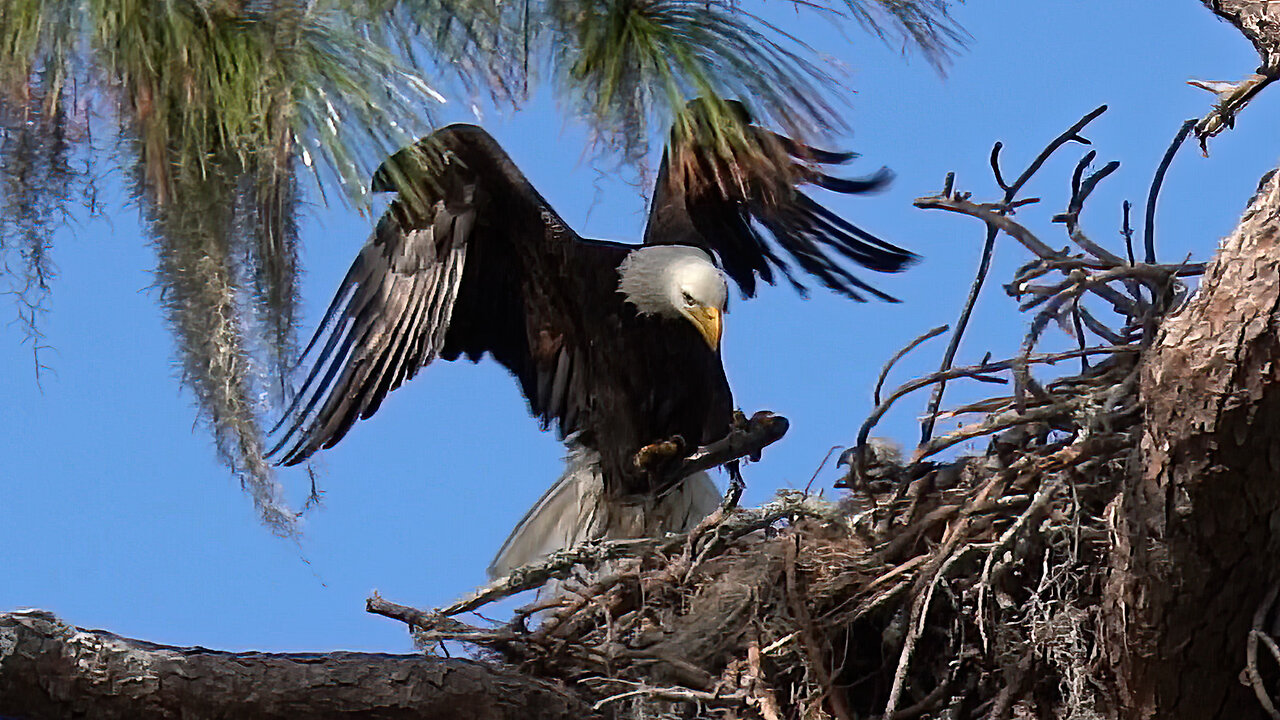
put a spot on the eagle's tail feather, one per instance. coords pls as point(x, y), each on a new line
point(575, 509)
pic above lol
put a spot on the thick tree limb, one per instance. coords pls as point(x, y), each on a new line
point(51, 670)
point(1195, 548)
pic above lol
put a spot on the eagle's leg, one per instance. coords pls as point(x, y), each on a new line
point(736, 482)
point(739, 425)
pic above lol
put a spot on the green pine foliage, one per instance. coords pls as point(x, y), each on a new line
point(220, 109)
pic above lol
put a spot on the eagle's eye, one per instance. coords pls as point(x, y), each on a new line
point(688, 299)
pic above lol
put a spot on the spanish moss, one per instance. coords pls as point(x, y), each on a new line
point(228, 112)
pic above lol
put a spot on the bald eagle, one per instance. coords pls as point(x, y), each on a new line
point(616, 345)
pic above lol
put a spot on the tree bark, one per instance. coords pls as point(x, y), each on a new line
point(1196, 534)
point(51, 670)
point(1258, 20)
point(1193, 558)
point(1198, 539)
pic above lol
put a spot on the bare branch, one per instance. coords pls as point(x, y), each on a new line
point(50, 669)
point(1009, 204)
point(1149, 231)
point(984, 369)
point(1072, 134)
point(984, 266)
point(884, 371)
point(991, 215)
point(596, 552)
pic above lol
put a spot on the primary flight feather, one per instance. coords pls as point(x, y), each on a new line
point(616, 345)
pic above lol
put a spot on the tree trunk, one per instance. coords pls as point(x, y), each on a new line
point(51, 670)
point(1195, 533)
point(1194, 536)
point(1198, 530)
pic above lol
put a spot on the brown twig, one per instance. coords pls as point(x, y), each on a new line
point(927, 703)
point(432, 626)
point(1037, 506)
point(948, 357)
point(1072, 134)
point(1126, 231)
point(838, 703)
point(987, 369)
point(941, 565)
point(818, 470)
point(1081, 188)
point(991, 215)
point(679, 694)
point(762, 694)
point(559, 624)
point(1076, 284)
point(591, 554)
point(988, 426)
point(884, 371)
point(1149, 230)
point(558, 565)
point(1013, 686)
point(1006, 207)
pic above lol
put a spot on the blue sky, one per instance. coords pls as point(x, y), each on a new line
point(117, 514)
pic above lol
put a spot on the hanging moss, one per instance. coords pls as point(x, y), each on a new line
point(220, 104)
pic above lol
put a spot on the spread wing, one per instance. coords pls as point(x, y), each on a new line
point(728, 192)
point(461, 208)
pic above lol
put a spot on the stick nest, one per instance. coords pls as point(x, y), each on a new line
point(933, 589)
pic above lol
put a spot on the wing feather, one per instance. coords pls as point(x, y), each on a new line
point(399, 309)
point(394, 309)
point(733, 202)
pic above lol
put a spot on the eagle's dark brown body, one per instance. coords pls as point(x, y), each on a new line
point(586, 360)
point(470, 260)
point(544, 303)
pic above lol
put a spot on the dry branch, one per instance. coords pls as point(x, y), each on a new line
point(1006, 206)
point(1110, 553)
point(51, 670)
point(761, 430)
point(1259, 22)
point(968, 588)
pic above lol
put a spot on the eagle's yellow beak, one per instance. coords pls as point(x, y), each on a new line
point(709, 322)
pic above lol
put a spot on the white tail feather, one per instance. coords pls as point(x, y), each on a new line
point(575, 510)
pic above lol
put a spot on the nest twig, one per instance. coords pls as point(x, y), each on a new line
point(935, 588)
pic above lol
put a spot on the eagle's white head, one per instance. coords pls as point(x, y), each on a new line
point(676, 281)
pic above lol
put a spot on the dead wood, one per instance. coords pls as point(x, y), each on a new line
point(51, 670)
point(1259, 22)
point(1110, 553)
point(1037, 579)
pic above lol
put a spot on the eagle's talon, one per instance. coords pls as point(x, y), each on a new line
point(736, 482)
point(651, 456)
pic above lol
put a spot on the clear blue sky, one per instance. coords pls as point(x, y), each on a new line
point(117, 515)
